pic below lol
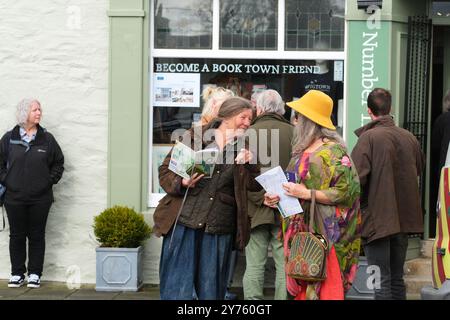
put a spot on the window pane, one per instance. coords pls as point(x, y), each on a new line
point(183, 24)
point(248, 24)
point(315, 25)
point(441, 8)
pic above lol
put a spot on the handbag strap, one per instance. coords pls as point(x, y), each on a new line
point(312, 214)
point(312, 211)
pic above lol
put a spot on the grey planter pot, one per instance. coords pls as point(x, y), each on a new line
point(118, 269)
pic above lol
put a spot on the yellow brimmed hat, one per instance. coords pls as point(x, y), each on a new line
point(316, 106)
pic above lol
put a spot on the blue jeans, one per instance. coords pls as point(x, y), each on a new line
point(389, 255)
point(195, 262)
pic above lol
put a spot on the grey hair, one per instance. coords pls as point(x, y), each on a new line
point(255, 95)
point(270, 101)
point(23, 109)
point(446, 102)
point(307, 131)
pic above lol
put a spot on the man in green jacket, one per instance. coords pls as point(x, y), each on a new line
point(274, 134)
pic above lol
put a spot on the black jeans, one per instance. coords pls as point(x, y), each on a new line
point(27, 221)
point(389, 255)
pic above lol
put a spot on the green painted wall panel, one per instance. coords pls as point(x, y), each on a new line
point(126, 4)
point(368, 67)
point(145, 107)
point(398, 68)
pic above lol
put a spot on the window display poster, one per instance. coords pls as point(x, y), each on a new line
point(176, 90)
point(338, 70)
point(158, 155)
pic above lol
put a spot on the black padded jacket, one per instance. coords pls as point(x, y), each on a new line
point(29, 170)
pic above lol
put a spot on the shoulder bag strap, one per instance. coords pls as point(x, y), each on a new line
point(312, 211)
point(312, 216)
point(179, 212)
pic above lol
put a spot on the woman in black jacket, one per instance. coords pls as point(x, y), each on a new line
point(31, 162)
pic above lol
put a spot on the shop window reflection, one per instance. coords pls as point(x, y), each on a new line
point(248, 24)
point(311, 22)
point(281, 75)
point(183, 24)
point(291, 78)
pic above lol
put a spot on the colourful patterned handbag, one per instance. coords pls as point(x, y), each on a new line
point(308, 252)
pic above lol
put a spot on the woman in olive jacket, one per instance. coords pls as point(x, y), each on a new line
point(196, 247)
point(31, 162)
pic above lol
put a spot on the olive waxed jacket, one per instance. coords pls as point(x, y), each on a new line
point(279, 153)
point(217, 204)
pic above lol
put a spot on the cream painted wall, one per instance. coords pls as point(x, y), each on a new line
point(57, 51)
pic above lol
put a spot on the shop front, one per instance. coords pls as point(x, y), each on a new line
point(291, 46)
point(163, 53)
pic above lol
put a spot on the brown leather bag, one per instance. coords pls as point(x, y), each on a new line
point(308, 252)
point(166, 214)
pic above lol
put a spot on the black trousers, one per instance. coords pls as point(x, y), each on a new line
point(389, 255)
point(27, 221)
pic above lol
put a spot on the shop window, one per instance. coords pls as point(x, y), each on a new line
point(183, 24)
point(248, 24)
point(315, 25)
point(178, 82)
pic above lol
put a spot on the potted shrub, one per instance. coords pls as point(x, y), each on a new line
point(120, 232)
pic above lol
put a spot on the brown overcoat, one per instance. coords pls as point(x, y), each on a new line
point(388, 160)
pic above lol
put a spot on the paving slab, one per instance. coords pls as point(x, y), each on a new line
point(90, 294)
point(11, 293)
point(47, 291)
point(137, 296)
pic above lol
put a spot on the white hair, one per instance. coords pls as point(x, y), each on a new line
point(23, 110)
point(270, 101)
point(307, 131)
point(214, 96)
point(446, 102)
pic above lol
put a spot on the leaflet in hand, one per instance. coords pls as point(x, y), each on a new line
point(272, 181)
point(185, 161)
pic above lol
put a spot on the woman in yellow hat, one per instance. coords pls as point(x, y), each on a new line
point(320, 162)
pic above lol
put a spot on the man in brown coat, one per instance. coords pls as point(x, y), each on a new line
point(389, 161)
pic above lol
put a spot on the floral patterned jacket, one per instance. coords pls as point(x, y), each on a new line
point(330, 170)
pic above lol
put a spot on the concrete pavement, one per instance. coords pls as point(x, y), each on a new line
point(60, 291)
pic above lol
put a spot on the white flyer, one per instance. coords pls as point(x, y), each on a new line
point(272, 181)
point(176, 90)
